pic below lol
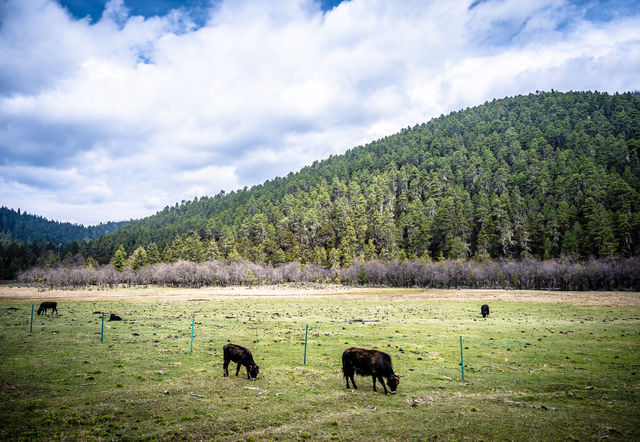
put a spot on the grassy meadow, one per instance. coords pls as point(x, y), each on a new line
point(533, 370)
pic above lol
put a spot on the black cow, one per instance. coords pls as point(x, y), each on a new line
point(242, 356)
point(484, 310)
point(48, 305)
point(114, 317)
point(374, 363)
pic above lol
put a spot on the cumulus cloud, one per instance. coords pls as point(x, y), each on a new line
point(117, 118)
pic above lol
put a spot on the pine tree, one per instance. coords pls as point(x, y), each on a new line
point(153, 254)
point(348, 244)
point(212, 252)
point(139, 258)
point(172, 252)
point(119, 260)
point(193, 249)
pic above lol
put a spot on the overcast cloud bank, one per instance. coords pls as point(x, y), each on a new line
point(118, 118)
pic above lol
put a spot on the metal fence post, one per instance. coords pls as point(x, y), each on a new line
point(306, 334)
point(193, 322)
point(461, 359)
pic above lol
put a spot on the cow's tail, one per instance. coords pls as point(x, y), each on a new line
point(345, 364)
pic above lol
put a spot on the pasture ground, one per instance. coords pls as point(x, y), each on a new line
point(544, 366)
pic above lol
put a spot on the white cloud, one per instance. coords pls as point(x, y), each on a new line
point(122, 117)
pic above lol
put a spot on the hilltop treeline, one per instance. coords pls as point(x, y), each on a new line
point(27, 240)
point(22, 227)
point(543, 176)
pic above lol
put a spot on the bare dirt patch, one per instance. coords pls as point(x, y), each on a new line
point(303, 291)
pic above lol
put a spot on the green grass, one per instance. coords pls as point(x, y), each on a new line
point(533, 371)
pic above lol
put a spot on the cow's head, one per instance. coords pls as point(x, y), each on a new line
point(393, 382)
point(253, 371)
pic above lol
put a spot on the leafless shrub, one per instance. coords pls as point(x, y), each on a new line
point(563, 274)
point(289, 272)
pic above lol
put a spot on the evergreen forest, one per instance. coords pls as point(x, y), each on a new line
point(17, 226)
point(545, 176)
point(27, 240)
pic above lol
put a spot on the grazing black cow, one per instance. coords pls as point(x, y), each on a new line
point(48, 305)
point(484, 310)
point(114, 317)
point(374, 363)
point(242, 356)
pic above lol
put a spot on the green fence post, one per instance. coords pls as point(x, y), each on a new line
point(31, 325)
point(193, 322)
point(461, 359)
point(102, 328)
point(306, 334)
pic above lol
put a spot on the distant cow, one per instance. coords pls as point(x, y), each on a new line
point(48, 305)
point(114, 317)
point(372, 363)
point(484, 310)
point(242, 356)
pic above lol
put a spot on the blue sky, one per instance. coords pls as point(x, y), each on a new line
point(114, 110)
point(198, 10)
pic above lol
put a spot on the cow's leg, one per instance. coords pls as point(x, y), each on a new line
point(225, 367)
point(383, 385)
point(353, 381)
point(238, 369)
point(248, 377)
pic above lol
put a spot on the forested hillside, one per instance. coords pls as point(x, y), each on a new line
point(27, 240)
point(22, 227)
point(543, 175)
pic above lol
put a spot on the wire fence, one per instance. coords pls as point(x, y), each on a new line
point(425, 353)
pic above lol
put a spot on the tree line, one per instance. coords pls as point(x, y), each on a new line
point(554, 274)
point(22, 227)
point(27, 240)
point(536, 177)
point(544, 175)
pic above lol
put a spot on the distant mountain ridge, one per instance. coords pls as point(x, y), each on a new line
point(17, 226)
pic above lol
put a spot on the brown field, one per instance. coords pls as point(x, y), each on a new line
point(304, 291)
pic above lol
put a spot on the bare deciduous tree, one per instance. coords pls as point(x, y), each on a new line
point(562, 274)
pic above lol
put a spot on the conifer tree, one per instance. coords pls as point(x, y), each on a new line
point(139, 258)
point(153, 254)
point(119, 260)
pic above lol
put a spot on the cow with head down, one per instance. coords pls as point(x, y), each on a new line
point(46, 306)
point(374, 363)
point(242, 356)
